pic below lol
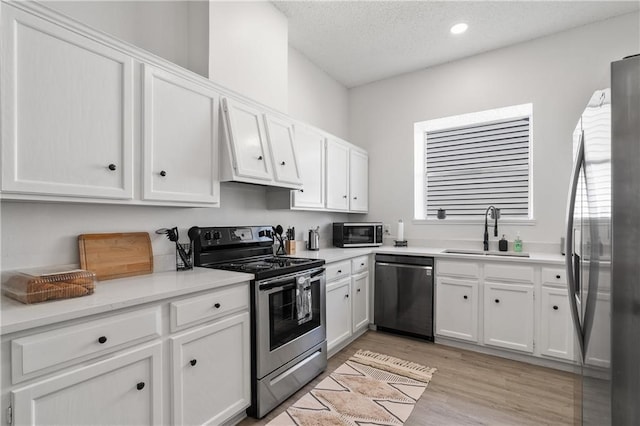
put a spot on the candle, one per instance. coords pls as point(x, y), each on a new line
point(400, 230)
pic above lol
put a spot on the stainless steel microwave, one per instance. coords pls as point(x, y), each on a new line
point(357, 234)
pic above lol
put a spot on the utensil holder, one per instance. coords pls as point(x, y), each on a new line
point(184, 256)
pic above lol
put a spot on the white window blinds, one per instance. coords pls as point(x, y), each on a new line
point(471, 167)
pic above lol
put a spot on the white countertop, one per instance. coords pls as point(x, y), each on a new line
point(335, 254)
point(115, 294)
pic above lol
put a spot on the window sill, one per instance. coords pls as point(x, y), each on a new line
point(519, 222)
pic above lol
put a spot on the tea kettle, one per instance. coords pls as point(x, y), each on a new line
point(314, 239)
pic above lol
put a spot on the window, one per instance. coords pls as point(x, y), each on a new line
point(468, 162)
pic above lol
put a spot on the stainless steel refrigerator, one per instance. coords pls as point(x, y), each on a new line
point(603, 251)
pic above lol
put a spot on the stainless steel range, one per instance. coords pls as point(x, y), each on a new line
point(288, 329)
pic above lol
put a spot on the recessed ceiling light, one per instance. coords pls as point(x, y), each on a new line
point(459, 28)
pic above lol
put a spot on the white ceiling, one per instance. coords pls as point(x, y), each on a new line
point(357, 42)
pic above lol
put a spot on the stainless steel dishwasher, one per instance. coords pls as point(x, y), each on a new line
point(404, 295)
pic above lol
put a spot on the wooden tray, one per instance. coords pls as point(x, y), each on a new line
point(116, 255)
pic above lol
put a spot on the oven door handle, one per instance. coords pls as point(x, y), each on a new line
point(277, 283)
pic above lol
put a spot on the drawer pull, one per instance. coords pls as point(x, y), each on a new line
point(260, 157)
point(358, 290)
point(555, 307)
point(346, 296)
point(558, 276)
point(193, 362)
point(362, 264)
point(140, 386)
point(497, 300)
point(112, 167)
point(217, 306)
point(163, 173)
point(465, 297)
point(102, 339)
point(339, 271)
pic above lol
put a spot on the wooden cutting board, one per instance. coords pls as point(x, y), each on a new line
point(116, 255)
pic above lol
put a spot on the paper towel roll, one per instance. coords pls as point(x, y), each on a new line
point(400, 233)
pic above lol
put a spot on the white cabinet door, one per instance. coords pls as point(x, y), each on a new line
point(360, 302)
point(211, 372)
point(337, 175)
point(310, 147)
point(180, 139)
point(67, 112)
point(457, 308)
point(338, 312)
point(508, 316)
point(358, 181)
point(247, 140)
point(556, 327)
point(283, 152)
point(122, 390)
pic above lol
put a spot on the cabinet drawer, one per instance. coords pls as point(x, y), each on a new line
point(460, 269)
point(554, 276)
point(338, 270)
point(359, 264)
point(54, 349)
point(209, 306)
point(509, 273)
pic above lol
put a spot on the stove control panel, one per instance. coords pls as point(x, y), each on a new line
point(231, 235)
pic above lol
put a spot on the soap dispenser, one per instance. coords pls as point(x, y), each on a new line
point(517, 243)
point(503, 244)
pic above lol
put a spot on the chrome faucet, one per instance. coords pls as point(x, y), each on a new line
point(496, 214)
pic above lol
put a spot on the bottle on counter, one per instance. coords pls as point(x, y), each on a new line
point(503, 244)
point(517, 243)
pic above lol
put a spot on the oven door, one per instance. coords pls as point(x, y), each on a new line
point(290, 318)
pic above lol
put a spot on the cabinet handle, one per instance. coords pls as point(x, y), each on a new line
point(283, 163)
point(465, 297)
point(140, 386)
point(339, 271)
point(102, 339)
point(163, 173)
point(217, 306)
point(193, 362)
point(558, 276)
point(355, 198)
point(362, 264)
point(358, 290)
point(555, 307)
point(344, 196)
point(302, 190)
point(497, 300)
point(112, 167)
point(346, 296)
point(260, 157)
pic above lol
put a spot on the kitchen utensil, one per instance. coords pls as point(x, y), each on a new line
point(183, 253)
point(314, 239)
point(116, 255)
point(278, 230)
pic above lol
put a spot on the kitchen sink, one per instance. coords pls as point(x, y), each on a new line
point(486, 253)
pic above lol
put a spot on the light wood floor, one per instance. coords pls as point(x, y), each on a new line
point(468, 388)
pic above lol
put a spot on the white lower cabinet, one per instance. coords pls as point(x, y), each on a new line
point(360, 302)
point(457, 308)
point(211, 371)
point(338, 312)
point(556, 327)
point(508, 316)
point(123, 390)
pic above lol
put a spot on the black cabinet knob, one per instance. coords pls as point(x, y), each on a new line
point(346, 296)
point(163, 173)
point(112, 167)
point(339, 271)
point(344, 196)
point(217, 306)
point(260, 157)
point(102, 339)
point(302, 190)
point(283, 163)
point(558, 276)
point(358, 290)
point(555, 307)
point(465, 297)
point(355, 198)
point(497, 300)
point(193, 362)
point(140, 386)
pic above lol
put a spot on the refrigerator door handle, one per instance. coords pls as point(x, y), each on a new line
point(571, 279)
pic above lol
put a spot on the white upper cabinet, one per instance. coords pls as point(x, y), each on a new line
point(67, 107)
point(358, 181)
point(337, 175)
point(180, 139)
point(283, 153)
point(310, 147)
point(247, 142)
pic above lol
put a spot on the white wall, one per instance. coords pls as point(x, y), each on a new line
point(315, 97)
point(557, 74)
point(248, 50)
point(174, 30)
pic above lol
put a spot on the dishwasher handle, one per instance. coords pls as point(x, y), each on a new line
point(402, 265)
